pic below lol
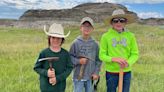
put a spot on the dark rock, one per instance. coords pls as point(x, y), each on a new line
point(97, 11)
point(152, 21)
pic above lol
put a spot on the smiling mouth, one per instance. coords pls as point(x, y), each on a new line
point(118, 26)
point(87, 30)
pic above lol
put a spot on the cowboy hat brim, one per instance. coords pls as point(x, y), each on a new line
point(55, 34)
point(130, 18)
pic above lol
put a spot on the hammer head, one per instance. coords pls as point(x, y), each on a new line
point(50, 60)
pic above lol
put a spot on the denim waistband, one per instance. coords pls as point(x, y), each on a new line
point(116, 73)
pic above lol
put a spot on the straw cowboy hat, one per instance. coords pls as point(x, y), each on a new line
point(119, 13)
point(56, 30)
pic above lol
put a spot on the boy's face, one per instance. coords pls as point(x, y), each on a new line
point(55, 41)
point(86, 28)
point(118, 23)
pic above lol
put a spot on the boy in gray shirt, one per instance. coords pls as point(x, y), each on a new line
point(84, 54)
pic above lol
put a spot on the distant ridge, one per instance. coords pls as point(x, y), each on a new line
point(152, 21)
point(97, 11)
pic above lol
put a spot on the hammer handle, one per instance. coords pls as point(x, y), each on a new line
point(50, 64)
point(81, 72)
point(120, 85)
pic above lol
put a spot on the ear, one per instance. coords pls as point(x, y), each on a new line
point(81, 28)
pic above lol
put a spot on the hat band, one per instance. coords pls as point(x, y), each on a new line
point(56, 33)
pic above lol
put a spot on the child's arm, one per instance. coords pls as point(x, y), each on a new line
point(134, 53)
point(103, 54)
point(39, 68)
point(73, 53)
point(98, 62)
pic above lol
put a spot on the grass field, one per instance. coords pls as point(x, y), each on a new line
point(19, 49)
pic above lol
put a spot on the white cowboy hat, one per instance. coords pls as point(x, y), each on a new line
point(88, 19)
point(56, 30)
point(119, 13)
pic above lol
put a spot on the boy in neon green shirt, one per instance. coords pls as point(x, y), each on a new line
point(118, 50)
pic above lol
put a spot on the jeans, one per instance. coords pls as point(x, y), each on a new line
point(79, 85)
point(112, 82)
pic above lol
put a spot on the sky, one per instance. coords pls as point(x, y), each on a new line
point(13, 9)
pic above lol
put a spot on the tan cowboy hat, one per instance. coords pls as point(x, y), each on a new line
point(88, 19)
point(56, 30)
point(120, 13)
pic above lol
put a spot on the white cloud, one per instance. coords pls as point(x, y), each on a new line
point(58, 4)
point(32, 4)
point(132, 1)
point(145, 15)
point(43, 4)
point(128, 6)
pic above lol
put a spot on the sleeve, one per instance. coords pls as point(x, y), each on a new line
point(38, 67)
point(67, 71)
point(134, 53)
point(73, 53)
point(103, 54)
point(98, 62)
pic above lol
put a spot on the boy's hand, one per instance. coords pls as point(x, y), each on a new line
point(52, 80)
point(123, 63)
point(51, 73)
point(95, 76)
point(83, 60)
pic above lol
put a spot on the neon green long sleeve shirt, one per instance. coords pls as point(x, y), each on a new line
point(121, 45)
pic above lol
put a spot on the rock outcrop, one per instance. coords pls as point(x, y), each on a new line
point(97, 11)
point(152, 21)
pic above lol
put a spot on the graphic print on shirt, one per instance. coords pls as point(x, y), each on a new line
point(122, 42)
point(85, 50)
